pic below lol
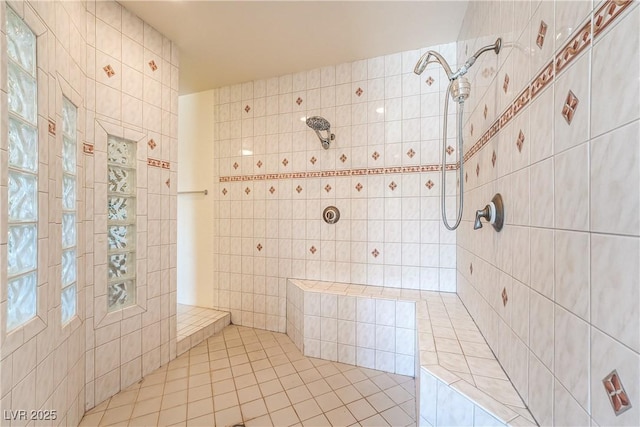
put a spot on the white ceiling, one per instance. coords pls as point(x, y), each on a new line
point(228, 42)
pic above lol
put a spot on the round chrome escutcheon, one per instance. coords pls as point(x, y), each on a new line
point(331, 215)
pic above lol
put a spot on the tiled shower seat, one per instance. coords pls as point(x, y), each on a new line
point(460, 380)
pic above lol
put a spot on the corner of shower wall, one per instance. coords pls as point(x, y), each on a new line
point(381, 172)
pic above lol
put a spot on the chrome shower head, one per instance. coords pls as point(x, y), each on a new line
point(318, 124)
point(430, 57)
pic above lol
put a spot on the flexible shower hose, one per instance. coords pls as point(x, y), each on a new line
point(444, 160)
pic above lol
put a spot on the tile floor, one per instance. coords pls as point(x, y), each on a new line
point(258, 378)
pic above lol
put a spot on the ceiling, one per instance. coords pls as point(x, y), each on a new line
point(228, 42)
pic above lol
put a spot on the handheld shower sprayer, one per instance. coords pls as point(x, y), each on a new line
point(459, 88)
point(318, 124)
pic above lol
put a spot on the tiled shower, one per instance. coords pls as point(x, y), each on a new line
point(552, 125)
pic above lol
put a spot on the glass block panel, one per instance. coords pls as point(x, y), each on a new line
point(23, 197)
point(23, 145)
point(22, 92)
point(121, 209)
point(68, 192)
point(121, 265)
point(69, 118)
point(69, 236)
point(121, 237)
point(69, 267)
point(121, 180)
point(68, 155)
point(120, 151)
point(68, 303)
point(21, 300)
point(120, 294)
point(21, 42)
point(22, 252)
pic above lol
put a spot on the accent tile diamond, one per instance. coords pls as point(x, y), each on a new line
point(152, 65)
point(168, 182)
point(236, 165)
point(343, 158)
point(327, 188)
point(520, 141)
point(359, 91)
point(272, 190)
point(570, 105)
point(486, 111)
point(247, 108)
point(299, 101)
point(471, 268)
point(375, 253)
point(478, 169)
point(52, 127)
point(298, 189)
point(359, 187)
point(259, 164)
point(393, 185)
point(375, 155)
point(152, 144)
point(224, 191)
point(312, 249)
point(542, 32)
point(505, 85)
point(505, 297)
point(617, 395)
point(411, 153)
point(247, 191)
point(109, 71)
point(259, 247)
point(471, 129)
point(429, 184)
point(450, 150)
point(285, 162)
point(429, 81)
point(313, 160)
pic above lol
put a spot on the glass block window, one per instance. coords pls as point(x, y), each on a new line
point(22, 244)
point(121, 197)
point(69, 211)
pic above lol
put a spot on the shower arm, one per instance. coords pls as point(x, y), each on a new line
point(472, 60)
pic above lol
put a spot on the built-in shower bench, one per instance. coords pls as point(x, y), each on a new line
point(428, 335)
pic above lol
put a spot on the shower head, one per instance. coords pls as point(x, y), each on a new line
point(319, 124)
point(430, 57)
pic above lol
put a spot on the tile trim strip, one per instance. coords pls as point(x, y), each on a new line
point(341, 172)
point(87, 148)
point(158, 163)
point(602, 18)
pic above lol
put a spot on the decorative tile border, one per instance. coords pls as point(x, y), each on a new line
point(158, 163)
point(334, 173)
point(602, 18)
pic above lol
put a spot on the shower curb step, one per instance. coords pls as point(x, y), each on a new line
point(208, 330)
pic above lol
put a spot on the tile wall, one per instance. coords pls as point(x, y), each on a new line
point(556, 132)
point(273, 179)
point(123, 76)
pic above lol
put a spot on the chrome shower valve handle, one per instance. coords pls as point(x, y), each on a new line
point(493, 213)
